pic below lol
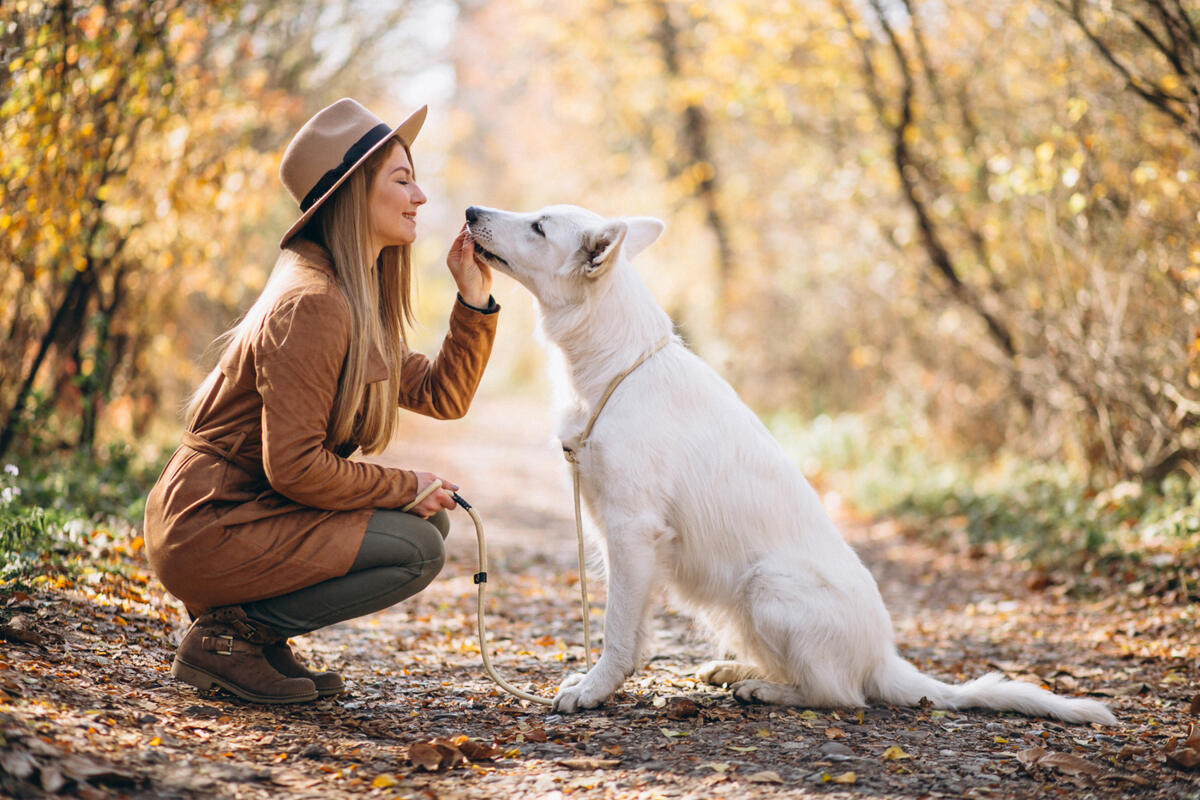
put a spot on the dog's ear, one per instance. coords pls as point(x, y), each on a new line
point(601, 247)
point(643, 232)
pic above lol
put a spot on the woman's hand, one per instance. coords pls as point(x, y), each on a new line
point(473, 276)
point(437, 500)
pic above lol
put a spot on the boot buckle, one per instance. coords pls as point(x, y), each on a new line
point(228, 649)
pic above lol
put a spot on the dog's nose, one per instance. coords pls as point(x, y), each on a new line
point(472, 213)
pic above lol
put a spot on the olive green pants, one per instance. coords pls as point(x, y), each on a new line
point(400, 555)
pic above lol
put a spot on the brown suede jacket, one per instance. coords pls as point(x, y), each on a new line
point(254, 504)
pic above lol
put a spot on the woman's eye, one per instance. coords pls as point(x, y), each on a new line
point(537, 228)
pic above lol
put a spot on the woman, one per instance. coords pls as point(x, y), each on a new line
point(259, 523)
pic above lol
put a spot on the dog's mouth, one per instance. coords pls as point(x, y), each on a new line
point(488, 254)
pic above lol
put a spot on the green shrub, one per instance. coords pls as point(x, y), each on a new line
point(59, 515)
point(1052, 515)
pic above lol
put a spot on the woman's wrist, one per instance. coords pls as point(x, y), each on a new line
point(482, 303)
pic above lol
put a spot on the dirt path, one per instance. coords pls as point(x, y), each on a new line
point(91, 710)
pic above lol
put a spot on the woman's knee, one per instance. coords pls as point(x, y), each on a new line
point(394, 538)
point(431, 543)
point(441, 521)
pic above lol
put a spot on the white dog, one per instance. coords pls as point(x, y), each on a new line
point(690, 490)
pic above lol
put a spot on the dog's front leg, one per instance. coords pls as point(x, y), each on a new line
point(632, 564)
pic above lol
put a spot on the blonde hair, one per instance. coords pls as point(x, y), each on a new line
point(379, 296)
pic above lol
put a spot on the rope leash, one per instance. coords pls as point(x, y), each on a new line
point(480, 577)
point(481, 581)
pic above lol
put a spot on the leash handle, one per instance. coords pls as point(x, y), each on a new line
point(421, 495)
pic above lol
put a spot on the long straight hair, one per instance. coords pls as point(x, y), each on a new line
point(379, 294)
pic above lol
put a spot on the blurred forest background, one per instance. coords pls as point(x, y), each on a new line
point(949, 250)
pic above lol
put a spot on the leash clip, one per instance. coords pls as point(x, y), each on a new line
point(480, 577)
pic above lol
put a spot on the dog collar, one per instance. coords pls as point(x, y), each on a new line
point(569, 452)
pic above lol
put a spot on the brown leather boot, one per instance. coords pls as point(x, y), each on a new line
point(225, 648)
point(281, 657)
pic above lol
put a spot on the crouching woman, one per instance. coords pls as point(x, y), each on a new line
point(259, 523)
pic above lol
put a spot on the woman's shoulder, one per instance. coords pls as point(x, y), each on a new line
point(312, 310)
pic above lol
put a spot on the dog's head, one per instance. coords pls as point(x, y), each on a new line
point(560, 252)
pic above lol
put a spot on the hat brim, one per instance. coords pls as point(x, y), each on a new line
point(406, 131)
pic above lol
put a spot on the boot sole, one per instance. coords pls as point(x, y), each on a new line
point(203, 679)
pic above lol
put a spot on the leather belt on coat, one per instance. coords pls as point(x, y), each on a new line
point(201, 445)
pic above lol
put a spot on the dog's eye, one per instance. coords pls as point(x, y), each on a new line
point(537, 228)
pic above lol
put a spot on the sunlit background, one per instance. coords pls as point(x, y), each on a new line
point(936, 232)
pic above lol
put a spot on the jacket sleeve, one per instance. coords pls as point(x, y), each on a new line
point(444, 386)
point(298, 357)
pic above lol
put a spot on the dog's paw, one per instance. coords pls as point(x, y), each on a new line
point(577, 693)
point(756, 691)
point(719, 673)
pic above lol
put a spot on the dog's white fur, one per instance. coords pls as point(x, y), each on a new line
point(689, 489)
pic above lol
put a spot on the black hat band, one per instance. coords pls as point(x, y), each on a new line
point(352, 156)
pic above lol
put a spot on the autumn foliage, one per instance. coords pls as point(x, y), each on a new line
point(974, 220)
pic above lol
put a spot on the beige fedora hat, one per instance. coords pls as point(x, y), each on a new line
point(332, 145)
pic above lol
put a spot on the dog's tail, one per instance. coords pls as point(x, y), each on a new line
point(900, 683)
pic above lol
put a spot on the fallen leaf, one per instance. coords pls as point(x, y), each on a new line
point(717, 766)
point(1063, 762)
point(384, 781)
point(21, 629)
point(425, 756)
point(478, 751)
point(1186, 755)
point(1194, 706)
point(835, 733)
point(533, 734)
point(895, 753)
point(681, 708)
point(1129, 751)
point(737, 749)
point(845, 777)
point(766, 776)
point(670, 734)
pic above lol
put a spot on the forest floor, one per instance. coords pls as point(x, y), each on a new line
point(87, 706)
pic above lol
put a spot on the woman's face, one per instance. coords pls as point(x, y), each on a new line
point(392, 201)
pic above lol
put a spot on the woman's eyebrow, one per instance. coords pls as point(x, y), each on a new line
point(397, 169)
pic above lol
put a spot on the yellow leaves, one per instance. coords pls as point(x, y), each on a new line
point(894, 753)
point(1076, 108)
point(384, 781)
point(843, 778)
point(91, 23)
point(1076, 203)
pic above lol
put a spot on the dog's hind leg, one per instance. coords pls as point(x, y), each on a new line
point(633, 564)
point(813, 645)
point(762, 691)
point(720, 673)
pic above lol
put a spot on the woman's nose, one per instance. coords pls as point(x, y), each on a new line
point(419, 197)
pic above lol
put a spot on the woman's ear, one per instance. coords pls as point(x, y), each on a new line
point(601, 247)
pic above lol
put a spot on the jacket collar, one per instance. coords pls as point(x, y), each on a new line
point(311, 254)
